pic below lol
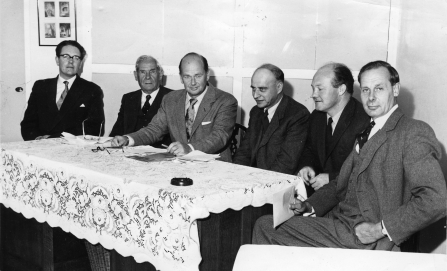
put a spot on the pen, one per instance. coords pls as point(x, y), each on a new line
point(163, 145)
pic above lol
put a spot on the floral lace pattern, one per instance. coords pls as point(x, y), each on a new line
point(128, 205)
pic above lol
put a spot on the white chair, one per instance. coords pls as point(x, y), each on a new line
point(270, 257)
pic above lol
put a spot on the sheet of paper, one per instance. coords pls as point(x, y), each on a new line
point(199, 156)
point(156, 157)
point(281, 201)
point(84, 141)
point(143, 149)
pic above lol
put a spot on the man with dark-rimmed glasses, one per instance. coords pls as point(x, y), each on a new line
point(66, 103)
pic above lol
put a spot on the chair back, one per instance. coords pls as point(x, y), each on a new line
point(238, 134)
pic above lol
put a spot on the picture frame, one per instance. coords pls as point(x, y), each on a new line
point(56, 21)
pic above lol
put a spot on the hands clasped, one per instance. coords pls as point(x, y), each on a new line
point(300, 207)
point(308, 175)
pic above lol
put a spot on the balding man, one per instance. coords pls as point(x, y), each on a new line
point(140, 106)
point(333, 125)
point(390, 186)
point(277, 127)
point(199, 117)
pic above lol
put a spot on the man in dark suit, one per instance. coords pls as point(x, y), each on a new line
point(199, 117)
point(277, 128)
point(66, 103)
point(389, 187)
point(140, 106)
point(333, 125)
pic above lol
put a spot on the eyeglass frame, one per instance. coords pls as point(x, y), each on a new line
point(69, 57)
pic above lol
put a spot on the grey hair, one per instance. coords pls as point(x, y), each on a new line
point(149, 58)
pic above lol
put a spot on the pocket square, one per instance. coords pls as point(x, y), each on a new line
point(82, 105)
point(206, 122)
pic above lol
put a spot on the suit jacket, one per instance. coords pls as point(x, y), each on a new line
point(130, 111)
point(352, 121)
point(84, 101)
point(282, 143)
point(212, 128)
point(399, 180)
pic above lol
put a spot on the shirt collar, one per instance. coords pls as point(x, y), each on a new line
point(272, 110)
point(380, 121)
point(198, 98)
point(153, 95)
point(70, 81)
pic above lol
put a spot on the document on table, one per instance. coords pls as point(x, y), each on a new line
point(281, 201)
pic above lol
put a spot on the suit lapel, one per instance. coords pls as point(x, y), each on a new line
point(373, 144)
point(274, 123)
point(52, 92)
point(179, 115)
point(72, 97)
point(134, 109)
point(204, 108)
point(342, 125)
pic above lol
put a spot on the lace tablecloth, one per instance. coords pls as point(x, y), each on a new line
point(125, 204)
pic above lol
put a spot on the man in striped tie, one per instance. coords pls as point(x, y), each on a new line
point(66, 103)
point(199, 117)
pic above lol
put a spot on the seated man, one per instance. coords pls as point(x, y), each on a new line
point(66, 103)
point(277, 127)
point(390, 186)
point(140, 106)
point(199, 117)
point(333, 125)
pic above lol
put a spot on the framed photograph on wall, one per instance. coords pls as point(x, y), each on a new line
point(57, 21)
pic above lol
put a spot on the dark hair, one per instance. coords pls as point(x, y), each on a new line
point(72, 43)
point(204, 61)
point(394, 76)
point(277, 72)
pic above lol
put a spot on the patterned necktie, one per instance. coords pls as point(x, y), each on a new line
point(328, 134)
point(363, 136)
point(63, 95)
point(265, 121)
point(146, 105)
point(189, 117)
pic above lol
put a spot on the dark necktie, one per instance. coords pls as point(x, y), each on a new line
point(265, 121)
point(146, 105)
point(328, 134)
point(189, 117)
point(363, 136)
point(63, 95)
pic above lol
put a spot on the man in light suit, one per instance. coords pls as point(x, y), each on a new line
point(390, 186)
point(333, 125)
point(66, 103)
point(277, 127)
point(140, 106)
point(199, 117)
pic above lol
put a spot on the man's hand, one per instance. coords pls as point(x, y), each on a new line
point(42, 137)
point(300, 207)
point(120, 141)
point(368, 232)
point(319, 181)
point(307, 173)
point(179, 149)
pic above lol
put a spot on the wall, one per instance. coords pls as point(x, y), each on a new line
point(422, 65)
point(12, 67)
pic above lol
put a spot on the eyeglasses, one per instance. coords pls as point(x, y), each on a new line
point(67, 57)
point(105, 149)
point(100, 149)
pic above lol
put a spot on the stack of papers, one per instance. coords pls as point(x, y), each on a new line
point(143, 149)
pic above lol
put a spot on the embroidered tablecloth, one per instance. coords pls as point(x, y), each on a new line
point(125, 204)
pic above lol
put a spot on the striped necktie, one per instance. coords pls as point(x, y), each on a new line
point(63, 95)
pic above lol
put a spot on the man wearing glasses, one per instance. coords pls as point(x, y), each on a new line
point(140, 106)
point(200, 117)
point(66, 103)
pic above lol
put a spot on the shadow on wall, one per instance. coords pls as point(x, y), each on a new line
point(288, 89)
